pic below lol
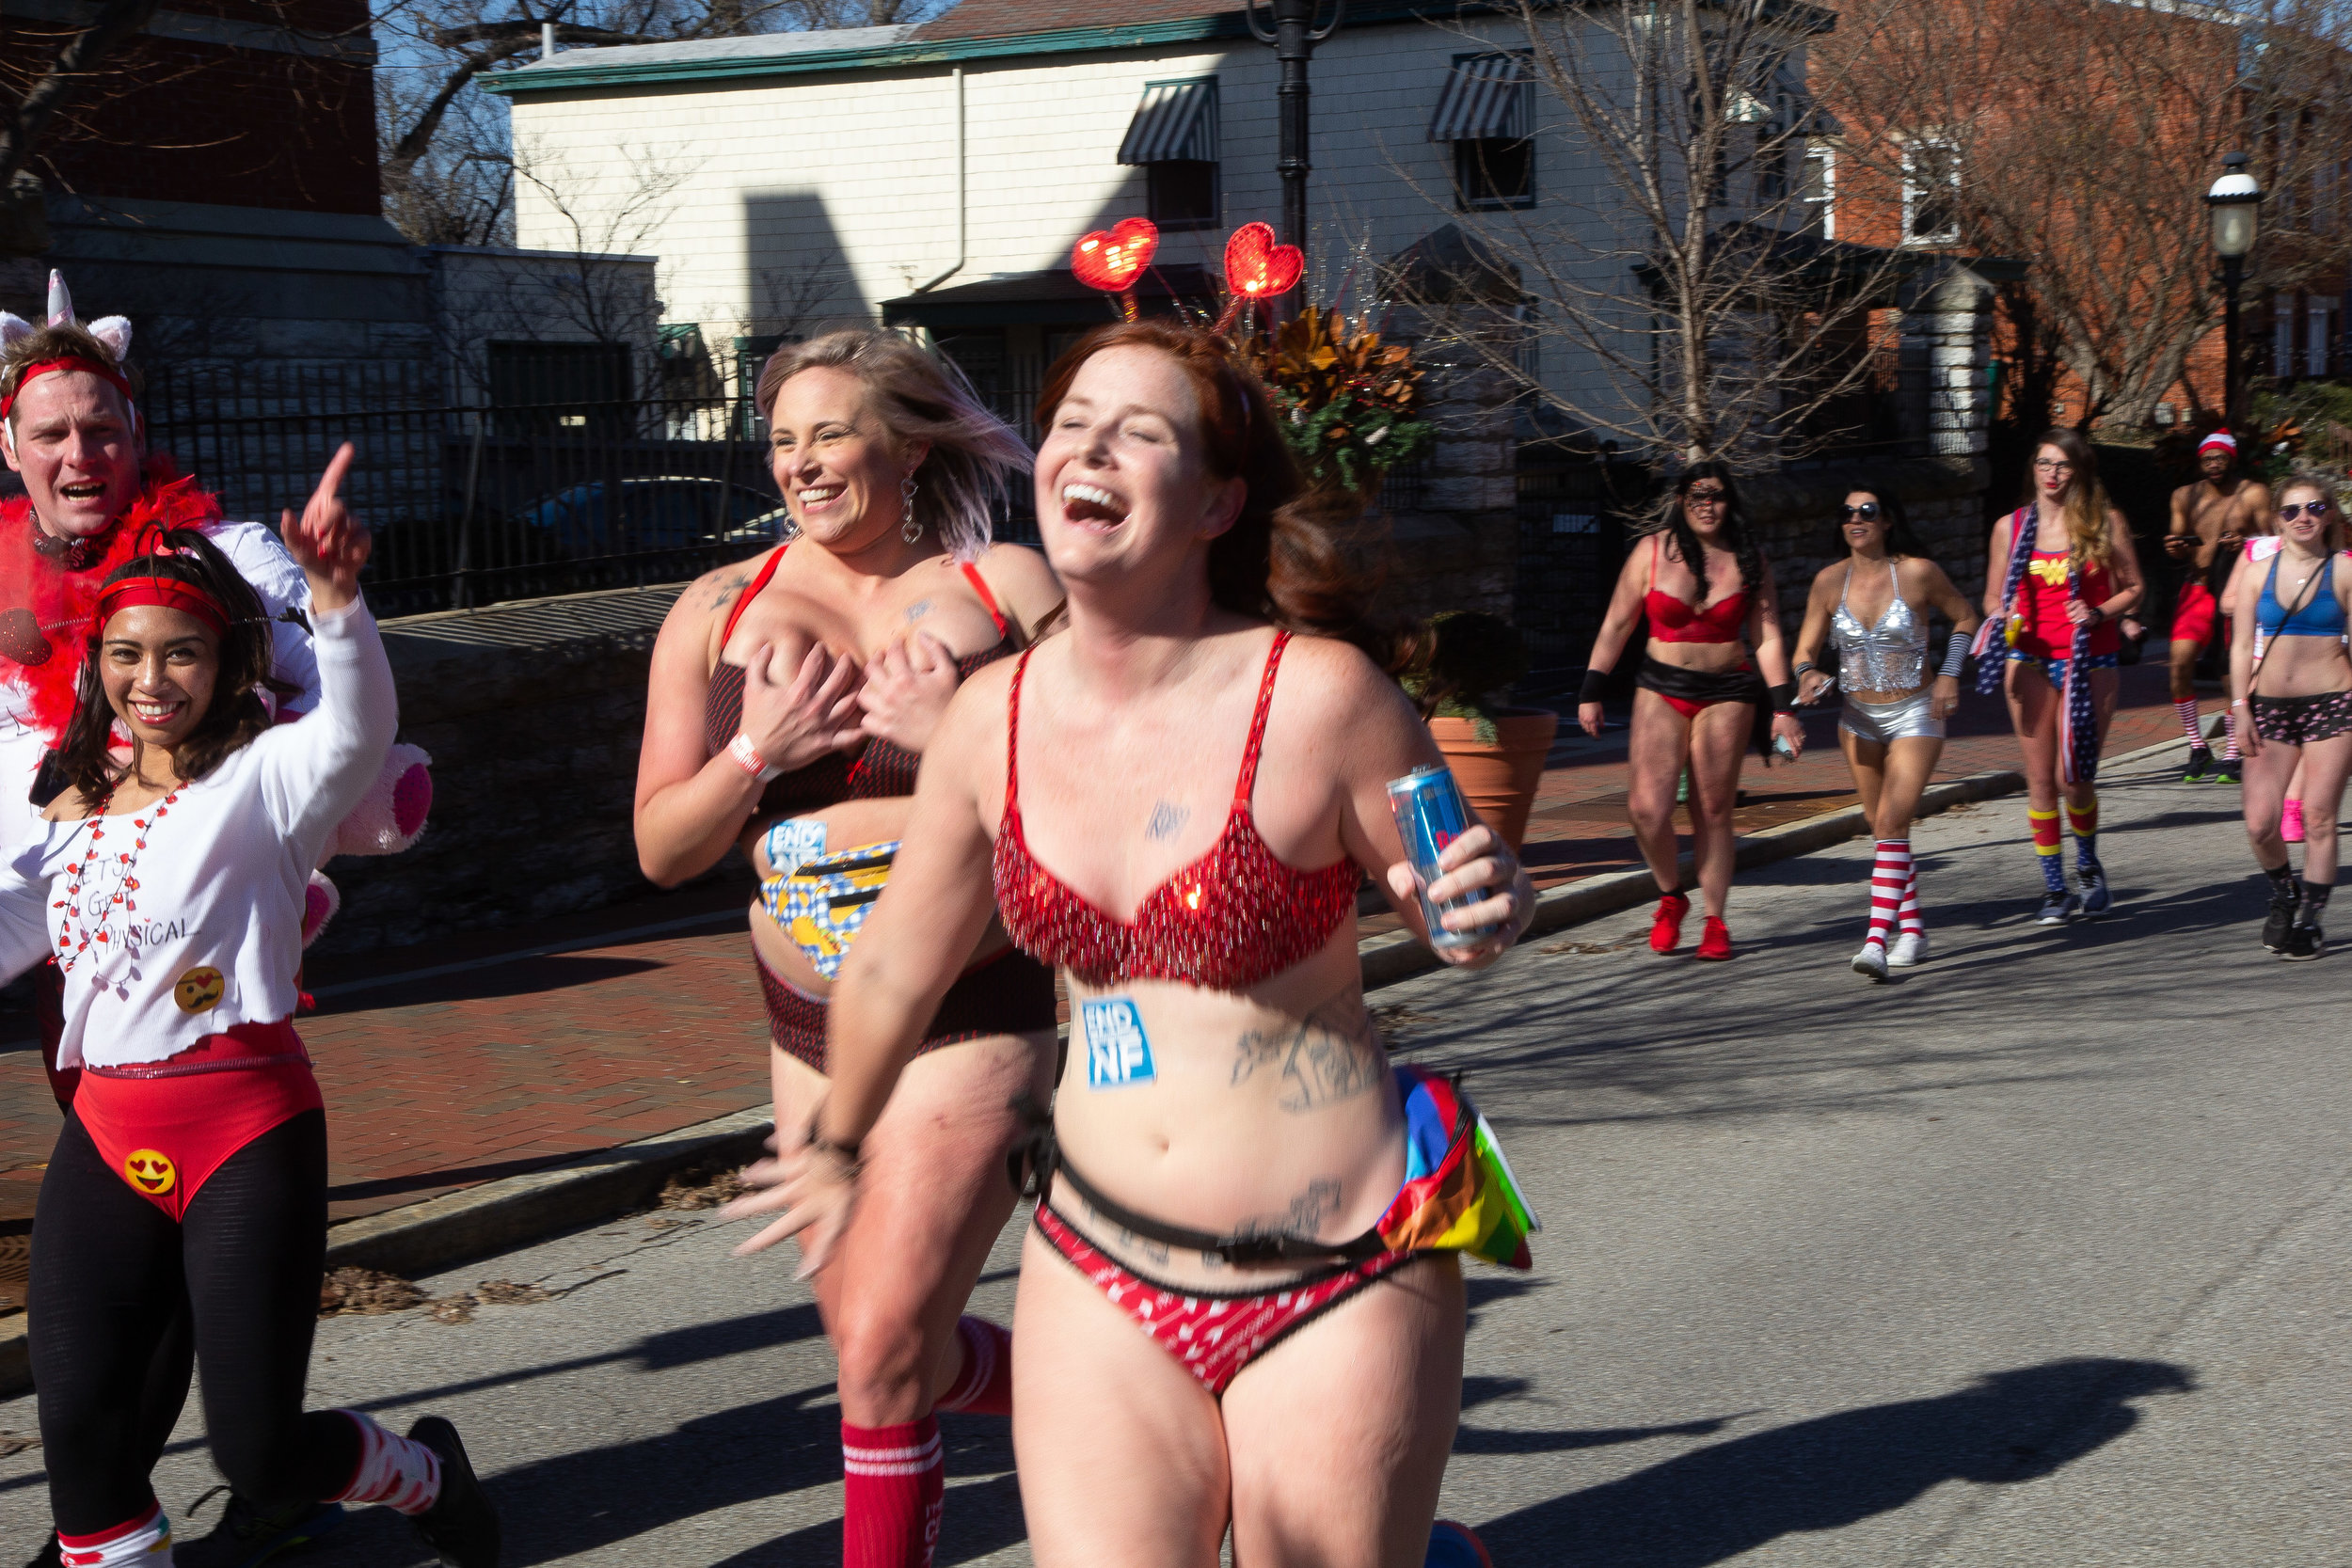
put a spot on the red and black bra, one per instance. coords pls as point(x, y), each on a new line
point(1231, 919)
point(879, 770)
point(1675, 620)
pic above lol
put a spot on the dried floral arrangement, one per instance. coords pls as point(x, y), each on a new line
point(1349, 404)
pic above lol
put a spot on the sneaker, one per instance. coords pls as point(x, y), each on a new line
point(2303, 940)
point(1714, 940)
point(2058, 908)
point(2097, 897)
point(2291, 821)
point(1666, 932)
point(2227, 772)
point(1911, 948)
point(2276, 922)
point(1871, 963)
point(249, 1535)
point(1452, 1545)
point(461, 1526)
point(2200, 766)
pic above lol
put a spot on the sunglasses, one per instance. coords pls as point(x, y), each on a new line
point(2317, 509)
point(1868, 512)
point(1694, 497)
point(2051, 464)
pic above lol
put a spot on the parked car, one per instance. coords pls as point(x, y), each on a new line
point(663, 512)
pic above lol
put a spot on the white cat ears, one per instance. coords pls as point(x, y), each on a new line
point(113, 331)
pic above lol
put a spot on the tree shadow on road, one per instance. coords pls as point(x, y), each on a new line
point(1717, 1503)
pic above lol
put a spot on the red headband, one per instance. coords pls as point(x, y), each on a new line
point(106, 373)
point(166, 593)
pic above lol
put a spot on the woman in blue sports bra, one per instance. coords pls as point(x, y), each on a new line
point(2288, 666)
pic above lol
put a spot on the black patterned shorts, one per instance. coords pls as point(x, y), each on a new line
point(2300, 720)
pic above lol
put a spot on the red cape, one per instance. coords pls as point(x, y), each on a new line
point(41, 603)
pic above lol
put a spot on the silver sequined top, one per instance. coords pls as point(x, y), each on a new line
point(1889, 657)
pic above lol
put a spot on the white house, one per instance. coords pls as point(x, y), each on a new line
point(939, 175)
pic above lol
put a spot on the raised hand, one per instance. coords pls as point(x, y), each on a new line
point(908, 686)
point(326, 542)
point(795, 717)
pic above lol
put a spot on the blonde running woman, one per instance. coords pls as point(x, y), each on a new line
point(2288, 667)
point(790, 704)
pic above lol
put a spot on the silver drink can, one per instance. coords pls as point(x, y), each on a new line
point(1431, 813)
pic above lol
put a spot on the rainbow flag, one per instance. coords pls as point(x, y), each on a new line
point(1459, 1193)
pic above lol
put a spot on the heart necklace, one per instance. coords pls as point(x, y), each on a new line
point(87, 891)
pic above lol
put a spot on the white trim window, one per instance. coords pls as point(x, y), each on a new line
point(1819, 194)
point(1930, 191)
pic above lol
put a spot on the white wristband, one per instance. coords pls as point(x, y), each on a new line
point(747, 757)
point(1955, 654)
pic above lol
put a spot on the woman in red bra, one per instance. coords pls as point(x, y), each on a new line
point(2067, 574)
point(1172, 803)
point(1701, 700)
point(790, 702)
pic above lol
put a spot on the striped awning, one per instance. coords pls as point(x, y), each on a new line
point(1175, 121)
point(1485, 97)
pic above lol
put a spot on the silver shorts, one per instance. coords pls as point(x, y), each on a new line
point(1900, 720)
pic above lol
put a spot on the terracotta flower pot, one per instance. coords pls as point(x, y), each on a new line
point(1500, 779)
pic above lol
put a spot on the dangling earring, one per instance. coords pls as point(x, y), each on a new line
point(909, 530)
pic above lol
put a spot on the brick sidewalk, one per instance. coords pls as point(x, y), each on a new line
point(459, 1062)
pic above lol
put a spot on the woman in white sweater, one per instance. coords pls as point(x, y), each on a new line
point(169, 890)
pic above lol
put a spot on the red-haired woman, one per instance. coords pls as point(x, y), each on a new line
point(790, 704)
point(1171, 801)
point(2071, 575)
point(1714, 623)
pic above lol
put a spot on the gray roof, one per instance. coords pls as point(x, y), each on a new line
point(759, 46)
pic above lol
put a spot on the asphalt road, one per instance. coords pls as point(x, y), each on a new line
point(2040, 1256)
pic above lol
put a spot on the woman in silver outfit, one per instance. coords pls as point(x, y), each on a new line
point(1874, 604)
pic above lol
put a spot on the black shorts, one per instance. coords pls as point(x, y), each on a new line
point(2300, 720)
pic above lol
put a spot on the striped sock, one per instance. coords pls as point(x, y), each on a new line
point(144, 1542)
point(892, 1481)
point(399, 1472)
point(2045, 848)
point(1910, 925)
point(984, 1387)
point(2084, 823)
point(2229, 728)
point(1888, 877)
point(2186, 709)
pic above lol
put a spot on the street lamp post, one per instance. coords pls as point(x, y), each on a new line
point(1289, 27)
point(2233, 202)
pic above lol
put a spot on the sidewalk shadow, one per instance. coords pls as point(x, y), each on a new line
point(1714, 1504)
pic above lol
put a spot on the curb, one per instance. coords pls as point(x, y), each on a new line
point(427, 1237)
point(1397, 956)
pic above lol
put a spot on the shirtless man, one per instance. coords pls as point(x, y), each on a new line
point(2211, 517)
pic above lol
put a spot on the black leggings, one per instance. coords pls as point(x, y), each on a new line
point(110, 1274)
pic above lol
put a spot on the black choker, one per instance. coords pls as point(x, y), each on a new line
point(74, 555)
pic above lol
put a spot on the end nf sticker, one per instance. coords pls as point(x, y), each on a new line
point(1117, 1051)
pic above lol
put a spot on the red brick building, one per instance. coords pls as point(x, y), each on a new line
point(2077, 136)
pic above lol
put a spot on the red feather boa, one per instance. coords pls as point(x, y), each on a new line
point(60, 601)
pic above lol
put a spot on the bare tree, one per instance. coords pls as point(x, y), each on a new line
point(442, 145)
point(2079, 137)
point(62, 82)
point(1702, 317)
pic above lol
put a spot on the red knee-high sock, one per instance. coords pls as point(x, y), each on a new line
point(142, 1543)
point(2186, 709)
point(399, 1472)
point(1887, 877)
point(984, 1387)
point(1908, 915)
point(892, 1479)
